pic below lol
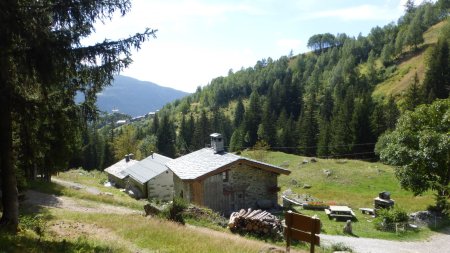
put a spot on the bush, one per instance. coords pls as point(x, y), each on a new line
point(340, 247)
point(174, 211)
point(387, 217)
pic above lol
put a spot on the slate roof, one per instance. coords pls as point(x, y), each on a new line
point(118, 169)
point(205, 161)
point(148, 168)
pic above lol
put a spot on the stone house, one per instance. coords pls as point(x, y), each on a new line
point(116, 172)
point(223, 181)
point(150, 178)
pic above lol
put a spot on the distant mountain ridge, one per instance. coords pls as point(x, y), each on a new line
point(134, 97)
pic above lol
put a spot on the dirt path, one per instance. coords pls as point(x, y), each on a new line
point(38, 199)
point(76, 186)
point(436, 243)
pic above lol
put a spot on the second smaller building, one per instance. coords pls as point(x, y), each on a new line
point(150, 178)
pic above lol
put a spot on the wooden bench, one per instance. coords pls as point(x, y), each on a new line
point(367, 211)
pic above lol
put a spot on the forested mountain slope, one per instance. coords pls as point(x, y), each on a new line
point(334, 101)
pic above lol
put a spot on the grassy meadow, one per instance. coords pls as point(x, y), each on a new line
point(353, 183)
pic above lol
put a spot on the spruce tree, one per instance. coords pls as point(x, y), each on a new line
point(413, 96)
point(437, 76)
point(252, 119)
point(325, 117)
point(166, 137)
point(42, 65)
point(342, 135)
point(309, 128)
point(239, 113)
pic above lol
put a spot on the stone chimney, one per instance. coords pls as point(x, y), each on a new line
point(217, 143)
point(127, 158)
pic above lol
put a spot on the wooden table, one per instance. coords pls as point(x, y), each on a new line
point(340, 212)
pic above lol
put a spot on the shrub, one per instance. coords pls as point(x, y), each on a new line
point(340, 247)
point(174, 211)
point(387, 217)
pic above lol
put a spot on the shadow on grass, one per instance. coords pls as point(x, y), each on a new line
point(47, 187)
point(442, 226)
point(25, 242)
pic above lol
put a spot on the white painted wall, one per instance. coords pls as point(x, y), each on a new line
point(161, 186)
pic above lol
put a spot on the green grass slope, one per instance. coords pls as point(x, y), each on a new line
point(411, 63)
point(352, 183)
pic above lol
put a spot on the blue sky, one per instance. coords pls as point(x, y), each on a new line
point(198, 40)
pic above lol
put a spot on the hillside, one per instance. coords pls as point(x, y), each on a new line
point(332, 102)
point(406, 67)
point(135, 97)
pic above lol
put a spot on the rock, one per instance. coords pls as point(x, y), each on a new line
point(327, 172)
point(305, 161)
point(151, 210)
point(348, 228)
point(306, 186)
point(294, 182)
point(284, 164)
point(76, 187)
point(313, 160)
point(287, 192)
point(270, 249)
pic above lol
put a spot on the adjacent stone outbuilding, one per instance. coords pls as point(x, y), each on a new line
point(150, 178)
point(116, 172)
point(223, 181)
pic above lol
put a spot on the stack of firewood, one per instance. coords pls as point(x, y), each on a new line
point(255, 221)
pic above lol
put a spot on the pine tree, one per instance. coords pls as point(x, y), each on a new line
point(43, 64)
point(414, 34)
point(252, 119)
point(239, 113)
point(309, 128)
point(166, 137)
point(155, 124)
point(325, 117)
point(363, 140)
point(201, 131)
point(237, 140)
point(413, 96)
point(391, 113)
point(437, 76)
point(183, 140)
point(267, 128)
point(342, 135)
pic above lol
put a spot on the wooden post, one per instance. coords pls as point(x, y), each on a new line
point(288, 219)
point(303, 228)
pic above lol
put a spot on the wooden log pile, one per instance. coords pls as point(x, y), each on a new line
point(255, 221)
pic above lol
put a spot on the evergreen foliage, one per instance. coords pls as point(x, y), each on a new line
point(42, 66)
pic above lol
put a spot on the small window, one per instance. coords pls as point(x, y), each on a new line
point(181, 194)
point(225, 176)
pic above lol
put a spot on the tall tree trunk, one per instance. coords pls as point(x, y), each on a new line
point(10, 202)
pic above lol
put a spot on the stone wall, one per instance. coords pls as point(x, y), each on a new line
point(133, 184)
point(181, 189)
point(245, 186)
point(119, 183)
point(255, 185)
point(161, 186)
